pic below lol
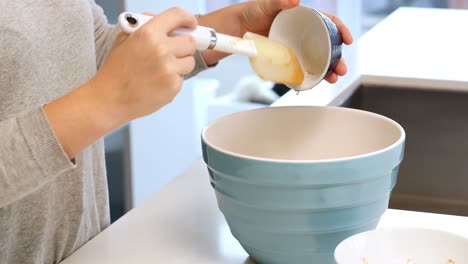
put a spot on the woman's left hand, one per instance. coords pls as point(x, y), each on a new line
point(257, 17)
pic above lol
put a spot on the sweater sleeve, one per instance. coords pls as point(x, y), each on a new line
point(106, 34)
point(30, 155)
point(200, 65)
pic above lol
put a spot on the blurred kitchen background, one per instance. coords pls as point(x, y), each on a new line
point(147, 153)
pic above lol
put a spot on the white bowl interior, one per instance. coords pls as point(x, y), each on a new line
point(405, 246)
point(304, 31)
point(302, 133)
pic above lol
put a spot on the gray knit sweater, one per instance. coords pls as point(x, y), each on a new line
point(49, 206)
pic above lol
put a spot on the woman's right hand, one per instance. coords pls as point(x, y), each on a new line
point(145, 70)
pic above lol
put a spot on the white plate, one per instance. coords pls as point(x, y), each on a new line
point(403, 246)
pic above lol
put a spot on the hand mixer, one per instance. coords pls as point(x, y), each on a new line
point(271, 60)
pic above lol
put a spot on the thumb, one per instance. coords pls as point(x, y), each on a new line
point(272, 7)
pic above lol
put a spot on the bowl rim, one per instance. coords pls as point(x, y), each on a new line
point(399, 230)
point(400, 140)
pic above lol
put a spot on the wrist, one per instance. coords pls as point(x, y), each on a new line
point(100, 107)
point(79, 119)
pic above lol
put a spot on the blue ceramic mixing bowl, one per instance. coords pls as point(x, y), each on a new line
point(318, 256)
point(305, 196)
point(303, 220)
point(293, 182)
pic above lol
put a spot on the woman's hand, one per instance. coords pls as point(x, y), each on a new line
point(143, 72)
point(340, 68)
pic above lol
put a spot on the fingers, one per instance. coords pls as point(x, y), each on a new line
point(173, 53)
point(182, 46)
point(272, 7)
point(341, 68)
point(172, 19)
point(331, 78)
point(345, 33)
point(185, 65)
point(290, 3)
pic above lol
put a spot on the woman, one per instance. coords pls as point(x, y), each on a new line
point(67, 78)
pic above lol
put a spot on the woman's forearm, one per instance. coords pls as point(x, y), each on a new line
point(79, 119)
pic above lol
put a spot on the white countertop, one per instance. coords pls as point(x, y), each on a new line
point(421, 48)
point(182, 224)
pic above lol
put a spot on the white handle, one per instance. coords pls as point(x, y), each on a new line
point(130, 22)
point(205, 38)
